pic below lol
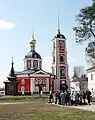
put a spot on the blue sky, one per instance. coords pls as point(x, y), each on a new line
point(17, 20)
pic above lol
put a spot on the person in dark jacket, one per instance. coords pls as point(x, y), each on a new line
point(50, 98)
point(84, 97)
point(67, 98)
point(89, 97)
point(59, 98)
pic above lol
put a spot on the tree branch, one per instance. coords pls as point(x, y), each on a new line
point(92, 30)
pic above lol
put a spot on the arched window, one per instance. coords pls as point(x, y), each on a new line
point(62, 72)
point(61, 58)
point(61, 45)
point(35, 56)
point(23, 81)
point(40, 64)
point(29, 64)
point(54, 59)
point(35, 64)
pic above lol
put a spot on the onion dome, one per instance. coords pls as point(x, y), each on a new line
point(33, 53)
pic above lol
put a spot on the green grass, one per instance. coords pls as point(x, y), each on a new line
point(39, 110)
point(19, 98)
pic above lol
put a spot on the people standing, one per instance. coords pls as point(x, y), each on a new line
point(76, 99)
point(50, 98)
point(80, 98)
point(84, 97)
point(62, 95)
point(89, 97)
point(66, 98)
point(59, 98)
point(71, 98)
point(56, 96)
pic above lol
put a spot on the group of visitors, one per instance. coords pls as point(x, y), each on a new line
point(67, 98)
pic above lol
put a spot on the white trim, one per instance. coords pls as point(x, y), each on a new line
point(32, 59)
point(22, 75)
point(34, 75)
point(59, 39)
point(39, 75)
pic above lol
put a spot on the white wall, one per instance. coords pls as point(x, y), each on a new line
point(91, 83)
point(47, 84)
point(32, 87)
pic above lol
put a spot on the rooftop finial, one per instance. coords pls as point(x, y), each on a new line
point(58, 24)
point(12, 59)
point(12, 73)
point(33, 35)
point(32, 42)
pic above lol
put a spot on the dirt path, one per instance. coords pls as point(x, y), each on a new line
point(86, 107)
point(8, 103)
point(83, 107)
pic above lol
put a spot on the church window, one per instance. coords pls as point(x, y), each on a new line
point(36, 81)
point(54, 59)
point(29, 64)
point(40, 81)
point(44, 81)
point(23, 81)
point(40, 64)
point(35, 64)
point(62, 72)
point(91, 76)
point(61, 58)
point(35, 56)
point(61, 44)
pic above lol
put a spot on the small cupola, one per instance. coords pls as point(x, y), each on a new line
point(33, 59)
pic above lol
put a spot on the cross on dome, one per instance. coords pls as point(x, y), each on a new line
point(32, 42)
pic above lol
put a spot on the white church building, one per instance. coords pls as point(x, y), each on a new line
point(91, 79)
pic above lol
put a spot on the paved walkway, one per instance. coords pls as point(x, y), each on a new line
point(8, 103)
point(83, 107)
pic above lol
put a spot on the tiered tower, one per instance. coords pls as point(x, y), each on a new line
point(59, 60)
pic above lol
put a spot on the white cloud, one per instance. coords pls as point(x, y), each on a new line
point(6, 24)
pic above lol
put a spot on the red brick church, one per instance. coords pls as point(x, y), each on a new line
point(33, 79)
